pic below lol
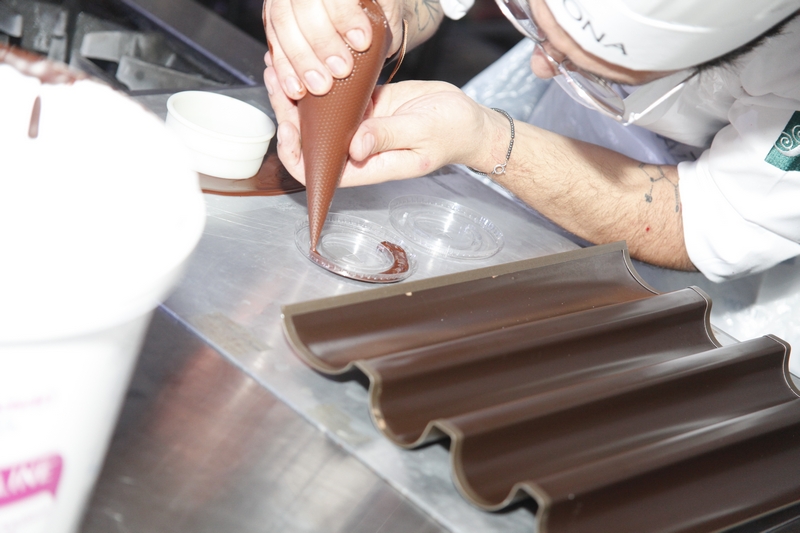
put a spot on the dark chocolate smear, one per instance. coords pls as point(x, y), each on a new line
point(272, 179)
point(400, 263)
point(36, 66)
point(33, 128)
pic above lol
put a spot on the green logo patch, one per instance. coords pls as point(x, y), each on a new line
point(785, 153)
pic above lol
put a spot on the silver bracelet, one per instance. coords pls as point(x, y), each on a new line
point(500, 168)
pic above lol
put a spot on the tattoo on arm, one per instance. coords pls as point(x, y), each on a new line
point(427, 12)
point(656, 174)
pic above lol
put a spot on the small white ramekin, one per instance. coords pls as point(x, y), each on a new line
point(224, 137)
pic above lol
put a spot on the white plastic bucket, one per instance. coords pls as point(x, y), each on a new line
point(61, 399)
point(97, 221)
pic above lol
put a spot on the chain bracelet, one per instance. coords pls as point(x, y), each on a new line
point(500, 168)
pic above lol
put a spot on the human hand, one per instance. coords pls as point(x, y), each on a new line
point(410, 129)
point(309, 39)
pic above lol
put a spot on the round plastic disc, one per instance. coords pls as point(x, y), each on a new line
point(444, 228)
point(358, 249)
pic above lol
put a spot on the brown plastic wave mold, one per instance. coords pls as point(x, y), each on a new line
point(328, 122)
point(569, 380)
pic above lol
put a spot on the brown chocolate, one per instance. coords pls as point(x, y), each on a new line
point(328, 123)
point(36, 66)
point(33, 128)
point(568, 380)
point(272, 179)
point(400, 263)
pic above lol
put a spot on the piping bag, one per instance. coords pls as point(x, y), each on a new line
point(329, 122)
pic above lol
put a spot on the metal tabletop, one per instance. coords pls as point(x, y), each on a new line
point(225, 429)
point(247, 266)
point(202, 447)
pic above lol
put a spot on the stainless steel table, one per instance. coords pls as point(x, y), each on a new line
point(202, 447)
point(244, 269)
point(224, 429)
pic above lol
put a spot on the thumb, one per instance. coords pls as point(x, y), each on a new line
point(376, 135)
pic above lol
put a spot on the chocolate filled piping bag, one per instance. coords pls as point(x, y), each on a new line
point(329, 122)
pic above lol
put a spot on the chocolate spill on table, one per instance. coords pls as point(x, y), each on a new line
point(272, 179)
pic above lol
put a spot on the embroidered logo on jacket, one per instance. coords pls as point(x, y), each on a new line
point(785, 153)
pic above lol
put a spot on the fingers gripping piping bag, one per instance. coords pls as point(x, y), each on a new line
point(328, 122)
point(327, 125)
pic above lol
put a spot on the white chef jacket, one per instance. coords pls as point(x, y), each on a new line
point(741, 197)
point(456, 9)
point(744, 308)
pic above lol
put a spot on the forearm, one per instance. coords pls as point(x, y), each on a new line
point(423, 17)
point(595, 193)
point(600, 195)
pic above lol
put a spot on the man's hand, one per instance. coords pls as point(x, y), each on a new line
point(410, 129)
point(309, 39)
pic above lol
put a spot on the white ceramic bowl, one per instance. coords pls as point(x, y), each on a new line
point(225, 137)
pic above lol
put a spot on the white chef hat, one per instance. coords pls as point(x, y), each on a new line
point(666, 34)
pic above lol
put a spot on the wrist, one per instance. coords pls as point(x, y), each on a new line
point(496, 143)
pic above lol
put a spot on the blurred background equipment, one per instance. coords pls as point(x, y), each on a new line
point(151, 45)
point(134, 45)
point(456, 53)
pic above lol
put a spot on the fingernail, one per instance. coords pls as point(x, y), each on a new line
point(368, 143)
point(357, 39)
point(293, 84)
point(337, 66)
point(314, 81)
